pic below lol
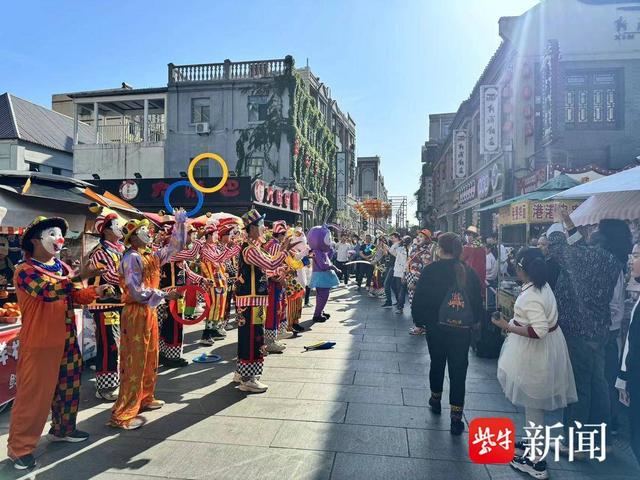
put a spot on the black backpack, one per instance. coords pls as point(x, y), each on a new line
point(455, 309)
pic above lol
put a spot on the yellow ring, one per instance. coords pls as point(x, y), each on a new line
point(223, 165)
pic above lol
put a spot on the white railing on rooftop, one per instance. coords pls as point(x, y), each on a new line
point(211, 72)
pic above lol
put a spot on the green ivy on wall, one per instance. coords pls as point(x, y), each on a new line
point(312, 146)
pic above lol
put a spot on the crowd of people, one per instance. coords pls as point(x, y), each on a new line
point(564, 349)
point(141, 284)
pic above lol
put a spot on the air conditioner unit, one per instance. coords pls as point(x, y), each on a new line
point(202, 127)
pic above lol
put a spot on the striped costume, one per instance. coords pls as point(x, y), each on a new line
point(276, 320)
point(252, 299)
point(106, 313)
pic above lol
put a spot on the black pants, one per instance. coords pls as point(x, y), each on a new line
point(107, 342)
point(611, 369)
point(364, 271)
point(307, 294)
point(450, 347)
point(345, 271)
point(400, 291)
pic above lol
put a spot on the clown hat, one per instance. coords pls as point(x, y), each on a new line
point(426, 232)
point(226, 225)
point(279, 227)
point(252, 217)
point(40, 224)
point(103, 220)
point(472, 229)
point(131, 227)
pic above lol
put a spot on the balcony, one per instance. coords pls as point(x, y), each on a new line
point(228, 70)
point(130, 132)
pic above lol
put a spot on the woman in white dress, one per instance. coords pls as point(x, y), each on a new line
point(534, 369)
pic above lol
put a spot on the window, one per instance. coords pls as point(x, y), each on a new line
point(591, 100)
point(257, 108)
point(199, 110)
point(56, 171)
point(255, 167)
point(201, 170)
point(34, 167)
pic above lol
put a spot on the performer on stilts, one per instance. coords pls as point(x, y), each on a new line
point(252, 299)
point(106, 312)
point(140, 282)
point(324, 277)
point(50, 361)
point(220, 247)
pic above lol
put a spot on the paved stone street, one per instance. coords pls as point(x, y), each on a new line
point(357, 411)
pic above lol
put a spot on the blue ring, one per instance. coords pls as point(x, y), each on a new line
point(182, 183)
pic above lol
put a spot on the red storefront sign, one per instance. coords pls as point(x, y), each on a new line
point(277, 197)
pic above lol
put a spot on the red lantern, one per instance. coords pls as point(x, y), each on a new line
point(296, 147)
point(527, 92)
point(527, 111)
point(528, 129)
point(507, 126)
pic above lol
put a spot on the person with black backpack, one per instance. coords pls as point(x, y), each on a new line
point(448, 301)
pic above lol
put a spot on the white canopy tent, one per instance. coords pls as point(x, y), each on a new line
point(625, 181)
point(619, 205)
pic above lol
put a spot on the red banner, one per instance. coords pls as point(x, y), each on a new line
point(9, 347)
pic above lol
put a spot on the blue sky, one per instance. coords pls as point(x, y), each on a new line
point(388, 63)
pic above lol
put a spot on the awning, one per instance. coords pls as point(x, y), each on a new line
point(22, 209)
point(621, 206)
point(625, 181)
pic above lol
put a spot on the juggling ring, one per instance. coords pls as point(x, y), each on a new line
point(173, 305)
point(219, 185)
point(172, 187)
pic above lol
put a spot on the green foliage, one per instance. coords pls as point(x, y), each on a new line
point(312, 145)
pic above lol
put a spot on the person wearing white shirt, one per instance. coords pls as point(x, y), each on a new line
point(344, 250)
point(399, 269)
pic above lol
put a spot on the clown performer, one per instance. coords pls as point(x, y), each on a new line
point(295, 277)
point(106, 312)
point(140, 279)
point(324, 277)
point(419, 257)
point(176, 273)
point(252, 299)
point(276, 321)
point(221, 246)
point(50, 362)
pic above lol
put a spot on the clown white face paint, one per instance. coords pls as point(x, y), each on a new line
point(193, 237)
point(143, 235)
point(117, 230)
point(52, 240)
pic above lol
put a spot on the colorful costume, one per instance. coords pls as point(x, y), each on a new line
point(419, 257)
point(276, 321)
point(252, 299)
point(140, 280)
point(50, 362)
point(324, 277)
point(106, 313)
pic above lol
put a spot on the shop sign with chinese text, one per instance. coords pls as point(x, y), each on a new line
point(459, 154)
point(489, 119)
point(277, 197)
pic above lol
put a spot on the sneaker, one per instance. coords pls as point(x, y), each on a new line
point(319, 319)
point(133, 424)
point(457, 427)
point(297, 327)
point(435, 405)
point(307, 305)
point(535, 470)
point(219, 333)
point(174, 362)
point(386, 305)
point(107, 396)
point(276, 347)
point(154, 405)
point(253, 385)
point(417, 331)
point(286, 335)
point(326, 315)
point(74, 437)
point(25, 462)
point(206, 340)
point(237, 378)
point(519, 449)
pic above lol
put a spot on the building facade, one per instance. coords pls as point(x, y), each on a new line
point(34, 138)
point(551, 100)
point(267, 120)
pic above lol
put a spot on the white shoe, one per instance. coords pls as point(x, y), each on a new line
point(253, 385)
point(286, 335)
point(276, 347)
point(237, 378)
point(107, 396)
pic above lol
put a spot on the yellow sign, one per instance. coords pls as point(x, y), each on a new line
point(223, 165)
point(535, 211)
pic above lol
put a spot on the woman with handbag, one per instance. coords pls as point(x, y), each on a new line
point(448, 302)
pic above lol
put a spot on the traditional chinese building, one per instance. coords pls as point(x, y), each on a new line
point(551, 100)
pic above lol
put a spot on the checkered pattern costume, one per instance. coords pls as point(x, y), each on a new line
point(50, 361)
